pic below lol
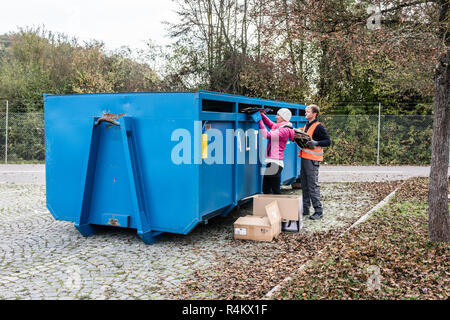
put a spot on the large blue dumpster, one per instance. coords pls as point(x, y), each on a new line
point(149, 167)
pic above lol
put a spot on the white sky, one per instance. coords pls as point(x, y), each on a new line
point(115, 22)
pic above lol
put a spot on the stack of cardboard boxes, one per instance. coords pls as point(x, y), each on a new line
point(269, 211)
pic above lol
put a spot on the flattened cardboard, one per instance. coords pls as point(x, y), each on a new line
point(273, 213)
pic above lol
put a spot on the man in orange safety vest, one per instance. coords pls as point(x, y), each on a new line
point(311, 156)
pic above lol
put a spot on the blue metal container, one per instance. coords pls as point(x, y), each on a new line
point(149, 169)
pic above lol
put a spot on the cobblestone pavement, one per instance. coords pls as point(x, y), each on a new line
point(46, 259)
point(41, 258)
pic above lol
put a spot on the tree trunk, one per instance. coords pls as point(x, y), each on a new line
point(438, 214)
point(324, 70)
point(289, 38)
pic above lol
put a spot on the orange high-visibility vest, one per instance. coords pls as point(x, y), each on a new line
point(311, 154)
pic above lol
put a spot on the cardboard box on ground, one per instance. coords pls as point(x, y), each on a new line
point(259, 227)
point(291, 209)
point(263, 228)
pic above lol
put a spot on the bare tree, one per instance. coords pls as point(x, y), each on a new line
point(413, 37)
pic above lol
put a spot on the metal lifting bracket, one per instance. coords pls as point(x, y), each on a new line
point(134, 178)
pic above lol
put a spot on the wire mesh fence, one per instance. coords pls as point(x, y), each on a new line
point(403, 139)
point(25, 136)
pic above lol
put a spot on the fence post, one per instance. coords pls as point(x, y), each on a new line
point(6, 134)
point(378, 144)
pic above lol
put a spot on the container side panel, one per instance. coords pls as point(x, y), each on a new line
point(67, 143)
point(168, 172)
point(249, 182)
point(216, 176)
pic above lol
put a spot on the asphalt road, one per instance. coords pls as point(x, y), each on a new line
point(35, 173)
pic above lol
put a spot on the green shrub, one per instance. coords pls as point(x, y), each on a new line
point(403, 139)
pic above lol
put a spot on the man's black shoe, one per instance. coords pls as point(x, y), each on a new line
point(305, 213)
point(316, 216)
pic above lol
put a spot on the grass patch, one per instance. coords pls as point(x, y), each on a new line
point(387, 257)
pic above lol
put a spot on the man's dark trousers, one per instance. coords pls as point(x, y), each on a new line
point(309, 177)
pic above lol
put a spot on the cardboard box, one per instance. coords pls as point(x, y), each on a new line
point(274, 215)
point(290, 206)
point(258, 227)
point(253, 228)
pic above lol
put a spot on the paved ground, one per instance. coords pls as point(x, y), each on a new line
point(46, 259)
point(41, 258)
point(22, 173)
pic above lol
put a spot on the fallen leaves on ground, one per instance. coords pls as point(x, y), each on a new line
point(379, 190)
point(250, 274)
point(415, 189)
point(387, 257)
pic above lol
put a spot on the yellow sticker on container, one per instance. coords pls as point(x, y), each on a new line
point(204, 146)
